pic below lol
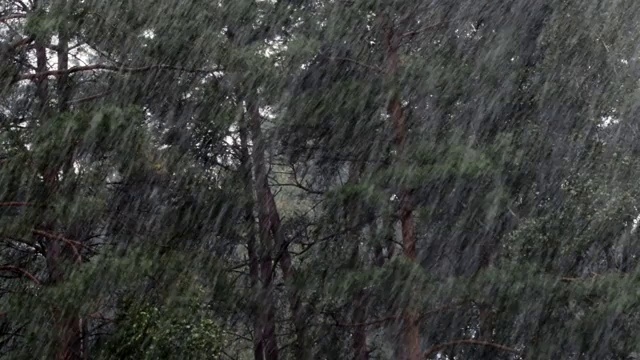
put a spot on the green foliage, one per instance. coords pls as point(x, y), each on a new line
point(139, 193)
point(177, 329)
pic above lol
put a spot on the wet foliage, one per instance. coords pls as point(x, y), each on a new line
point(319, 179)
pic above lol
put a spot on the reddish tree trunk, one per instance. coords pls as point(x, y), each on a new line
point(68, 327)
point(411, 331)
point(360, 332)
point(265, 224)
point(254, 261)
point(271, 228)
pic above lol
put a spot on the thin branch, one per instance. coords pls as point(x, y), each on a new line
point(20, 271)
point(100, 316)
point(14, 204)
point(368, 323)
point(13, 243)
point(395, 317)
point(354, 61)
point(440, 309)
point(299, 186)
point(23, 5)
point(615, 70)
point(20, 42)
point(571, 279)
point(423, 29)
point(73, 244)
point(55, 236)
point(88, 98)
point(433, 350)
point(106, 67)
point(12, 16)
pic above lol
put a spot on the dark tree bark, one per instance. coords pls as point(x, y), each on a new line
point(410, 332)
point(254, 261)
point(266, 221)
point(271, 227)
point(69, 327)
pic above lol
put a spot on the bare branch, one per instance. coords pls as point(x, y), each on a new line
point(106, 67)
point(73, 244)
point(12, 16)
point(368, 323)
point(23, 5)
point(396, 317)
point(20, 271)
point(423, 29)
point(88, 98)
point(433, 350)
point(354, 61)
point(572, 279)
point(299, 186)
point(14, 204)
point(20, 42)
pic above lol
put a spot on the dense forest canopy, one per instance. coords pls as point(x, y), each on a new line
point(319, 179)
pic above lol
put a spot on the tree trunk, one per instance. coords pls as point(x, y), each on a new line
point(271, 228)
point(359, 302)
point(411, 332)
point(265, 221)
point(486, 325)
point(68, 327)
point(359, 318)
point(254, 261)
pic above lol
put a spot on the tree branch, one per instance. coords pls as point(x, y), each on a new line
point(371, 67)
point(73, 244)
point(12, 16)
point(433, 350)
point(299, 186)
point(368, 323)
point(88, 98)
point(572, 279)
point(14, 204)
point(20, 271)
point(106, 67)
point(20, 42)
point(397, 317)
point(423, 29)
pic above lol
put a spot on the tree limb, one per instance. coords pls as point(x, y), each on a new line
point(396, 317)
point(106, 67)
point(73, 244)
point(354, 61)
point(433, 350)
point(20, 42)
point(14, 204)
point(423, 29)
point(12, 16)
point(88, 98)
point(368, 323)
point(20, 271)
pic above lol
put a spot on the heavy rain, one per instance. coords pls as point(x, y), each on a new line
point(319, 179)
